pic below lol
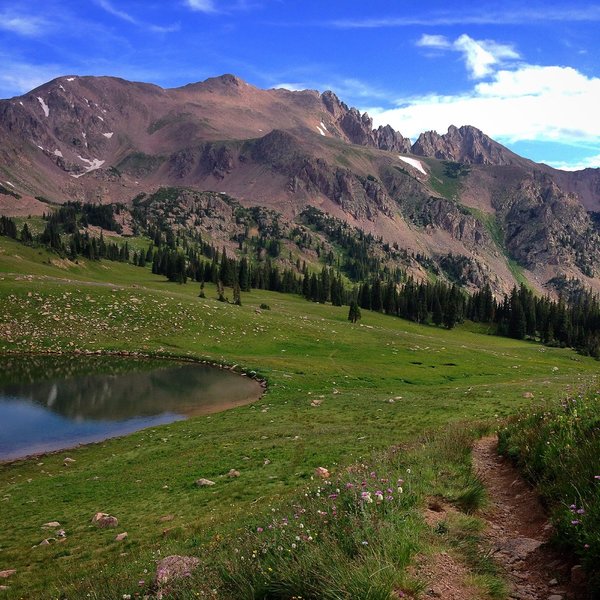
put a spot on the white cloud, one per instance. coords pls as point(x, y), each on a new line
point(439, 42)
point(205, 6)
point(481, 56)
point(528, 103)
point(590, 162)
point(27, 25)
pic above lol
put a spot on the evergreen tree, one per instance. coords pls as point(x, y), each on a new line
point(354, 312)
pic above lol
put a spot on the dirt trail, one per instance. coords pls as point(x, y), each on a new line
point(518, 530)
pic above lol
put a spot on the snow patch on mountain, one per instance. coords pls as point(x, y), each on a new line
point(413, 162)
point(45, 107)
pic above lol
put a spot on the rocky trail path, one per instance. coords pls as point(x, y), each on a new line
point(518, 531)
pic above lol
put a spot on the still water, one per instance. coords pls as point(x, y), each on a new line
point(49, 403)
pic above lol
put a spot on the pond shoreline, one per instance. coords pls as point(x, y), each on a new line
point(182, 359)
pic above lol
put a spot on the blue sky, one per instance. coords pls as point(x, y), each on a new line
point(529, 76)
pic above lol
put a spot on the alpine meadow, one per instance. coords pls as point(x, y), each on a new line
point(257, 343)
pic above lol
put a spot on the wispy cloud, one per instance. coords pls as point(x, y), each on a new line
point(20, 77)
point(481, 56)
point(211, 6)
point(205, 6)
point(348, 88)
point(522, 16)
point(124, 16)
point(21, 24)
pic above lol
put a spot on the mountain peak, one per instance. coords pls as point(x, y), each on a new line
point(464, 144)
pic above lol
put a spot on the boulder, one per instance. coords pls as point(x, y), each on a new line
point(7, 573)
point(104, 520)
point(204, 482)
point(233, 473)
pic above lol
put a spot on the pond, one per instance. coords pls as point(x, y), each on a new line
point(50, 403)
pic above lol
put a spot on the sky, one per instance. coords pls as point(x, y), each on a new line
point(527, 74)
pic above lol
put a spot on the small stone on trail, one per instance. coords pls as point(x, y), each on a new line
point(204, 482)
point(7, 573)
point(233, 473)
point(121, 537)
point(578, 577)
point(104, 520)
point(322, 472)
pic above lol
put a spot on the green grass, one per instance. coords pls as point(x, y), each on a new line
point(305, 351)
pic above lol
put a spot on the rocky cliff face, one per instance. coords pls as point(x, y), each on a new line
point(359, 128)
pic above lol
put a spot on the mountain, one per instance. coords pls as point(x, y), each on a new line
point(459, 199)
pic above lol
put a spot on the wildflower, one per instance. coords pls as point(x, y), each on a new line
point(372, 474)
point(349, 486)
point(597, 477)
point(400, 490)
point(575, 522)
point(333, 496)
point(379, 495)
point(365, 543)
point(293, 546)
point(580, 511)
point(366, 497)
point(259, 529)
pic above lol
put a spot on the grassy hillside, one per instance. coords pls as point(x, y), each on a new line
point(305, 351)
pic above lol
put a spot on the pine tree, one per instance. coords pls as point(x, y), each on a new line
point(354, 312)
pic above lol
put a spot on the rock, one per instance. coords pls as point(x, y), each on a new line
point(121, 537)
point(233, 473)
point(578, 576)
point(3, 588)
point(316, 402)
point(166, 518)
point(322, 472)
point(528, 395)
point(266, 462)
point(204, 482)
point(104, 520)
point(61, 533)
point(51, 525)
point(553, 582)
point(44, 543)
point(68, 461)
point(555, 597)
point(171, 568)
point(7, 573)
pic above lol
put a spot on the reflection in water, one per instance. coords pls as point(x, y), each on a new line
point(50, 403)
